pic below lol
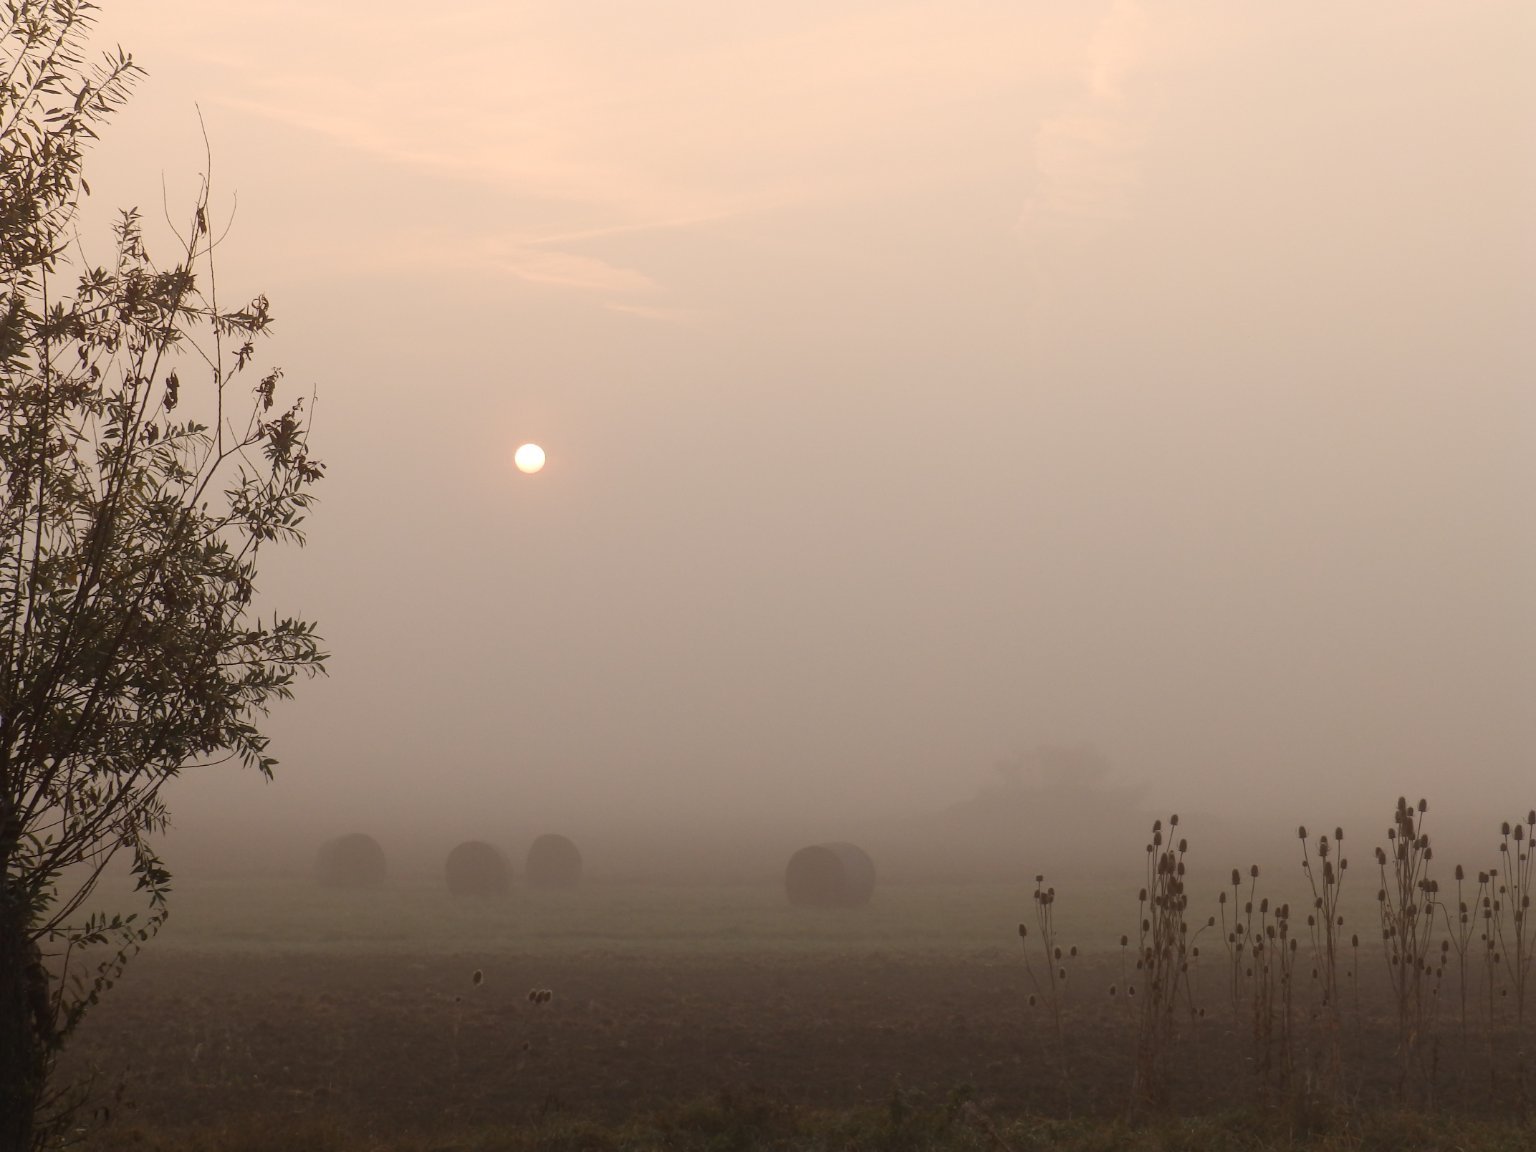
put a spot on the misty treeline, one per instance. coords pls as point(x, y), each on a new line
point(145, 461)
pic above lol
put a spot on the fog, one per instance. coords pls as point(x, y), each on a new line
point(923, 386)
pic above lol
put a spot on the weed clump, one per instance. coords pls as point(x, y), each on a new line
point(1162, 958)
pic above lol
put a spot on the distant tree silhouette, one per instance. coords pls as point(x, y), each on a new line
point(1056, 768)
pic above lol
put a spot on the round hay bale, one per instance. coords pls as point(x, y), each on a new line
point(476, 868)
point(554, 862)
point(830, 876)
point(352, 861)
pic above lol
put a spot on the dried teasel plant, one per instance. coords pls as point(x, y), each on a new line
point(1460, 927)
point(1517, 942)
point(1055, 958)
point(1163, 956)
point(1325, 925)
point(1406, 902)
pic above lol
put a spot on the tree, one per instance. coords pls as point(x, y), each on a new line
point(144, 465)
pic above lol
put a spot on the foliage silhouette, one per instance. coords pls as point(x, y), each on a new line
point(144, 464)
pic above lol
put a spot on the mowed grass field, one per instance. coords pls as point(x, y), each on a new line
point(278, 1013)
point(417, 915)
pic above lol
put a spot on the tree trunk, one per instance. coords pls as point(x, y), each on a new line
point(25, 1024)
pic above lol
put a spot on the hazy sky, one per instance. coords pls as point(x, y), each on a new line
point(921, 382)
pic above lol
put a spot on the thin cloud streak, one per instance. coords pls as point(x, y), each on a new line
point(674, 224)
point(568, 270)
point(653, 312)
point(1085, 158)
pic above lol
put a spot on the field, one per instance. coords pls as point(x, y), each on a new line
point(269, 1013)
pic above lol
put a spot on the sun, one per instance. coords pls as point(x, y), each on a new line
point(529, 458)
